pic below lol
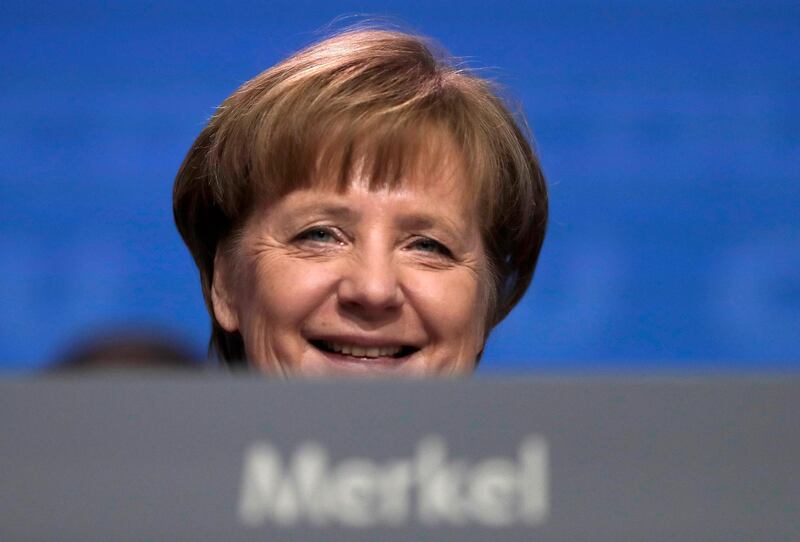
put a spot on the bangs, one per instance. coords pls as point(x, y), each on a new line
point(374, 150)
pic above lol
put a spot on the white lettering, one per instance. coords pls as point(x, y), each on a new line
point(439, 484)
point(493, 486)
point(359, 492)
point(354, 492)
point(267, 493)
point(534, 480)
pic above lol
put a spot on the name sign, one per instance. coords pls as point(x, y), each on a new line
point(430, 488)
point(243, 458)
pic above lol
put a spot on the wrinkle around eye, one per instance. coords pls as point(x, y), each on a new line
point(432, 260)
point(265, 248)
point(440, 262)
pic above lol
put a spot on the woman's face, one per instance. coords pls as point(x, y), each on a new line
point(361, 282)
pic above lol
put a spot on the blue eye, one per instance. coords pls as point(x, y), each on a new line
point(318, 235)
point(425, 244)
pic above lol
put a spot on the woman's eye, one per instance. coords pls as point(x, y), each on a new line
point(429, 245)
point(318, 235)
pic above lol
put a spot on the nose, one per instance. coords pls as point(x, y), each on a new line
point(370, 288)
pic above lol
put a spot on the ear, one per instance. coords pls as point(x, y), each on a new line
point(223, 297)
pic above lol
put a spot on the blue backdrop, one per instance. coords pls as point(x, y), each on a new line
point(669, 131)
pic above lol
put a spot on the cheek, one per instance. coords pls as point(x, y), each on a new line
point(278, 297)
point(452, 306)
point(283, 293)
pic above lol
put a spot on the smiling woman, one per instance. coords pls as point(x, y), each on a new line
point(362, 208)
point(366, 280)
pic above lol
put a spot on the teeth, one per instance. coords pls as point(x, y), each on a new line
point(363, 351)
point(358, 351)
point(389, 350)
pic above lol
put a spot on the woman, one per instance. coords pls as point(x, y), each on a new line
point(362, 208)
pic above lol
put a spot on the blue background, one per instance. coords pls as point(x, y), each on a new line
point(669, 131)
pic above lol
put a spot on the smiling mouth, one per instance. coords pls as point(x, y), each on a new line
point(359, 352)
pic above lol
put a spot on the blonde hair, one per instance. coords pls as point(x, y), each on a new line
point(368, 99)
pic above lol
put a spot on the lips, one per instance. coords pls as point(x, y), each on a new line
point(362, 351)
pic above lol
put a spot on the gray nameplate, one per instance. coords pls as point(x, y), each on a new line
point(244, 458)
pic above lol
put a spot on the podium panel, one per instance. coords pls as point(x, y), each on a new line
point(244, 458)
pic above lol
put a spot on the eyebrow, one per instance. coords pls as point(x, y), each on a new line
point(424, 221)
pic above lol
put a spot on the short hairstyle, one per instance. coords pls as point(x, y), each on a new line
point(368, 99)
